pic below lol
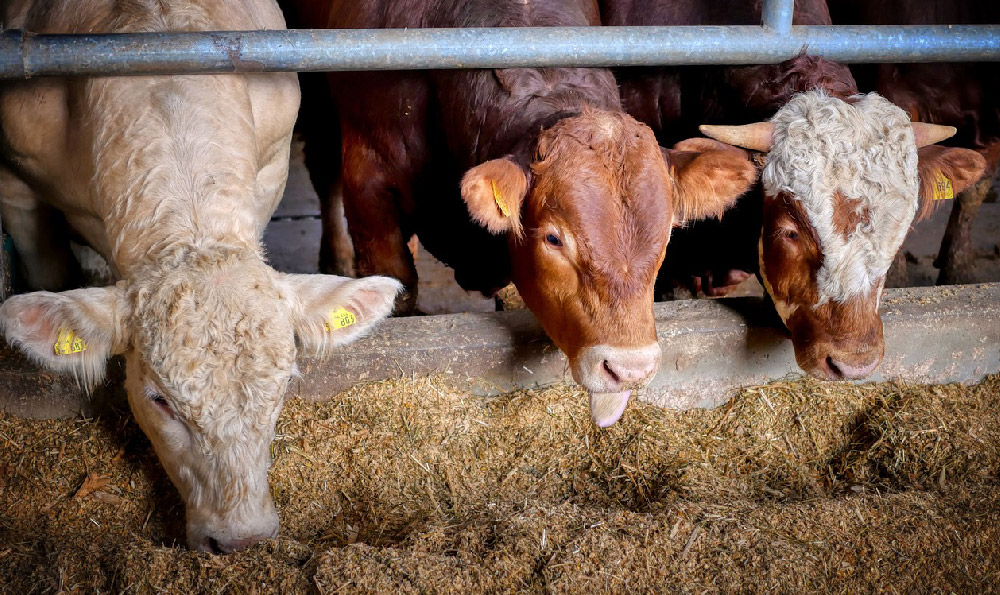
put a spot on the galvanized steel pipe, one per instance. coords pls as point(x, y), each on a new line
point(25, 55)
point(777, 15)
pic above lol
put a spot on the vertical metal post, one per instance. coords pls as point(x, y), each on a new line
point(777, 15)
point(5, 268)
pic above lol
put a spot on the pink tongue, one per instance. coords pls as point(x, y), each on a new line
point(607, 408)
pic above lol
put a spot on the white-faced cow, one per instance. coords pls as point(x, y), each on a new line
point(844, 176)
point(843, 182)
point(172, 179)
point(965, 95)
point(530, 175)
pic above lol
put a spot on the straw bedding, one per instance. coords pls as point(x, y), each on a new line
point(414, 486)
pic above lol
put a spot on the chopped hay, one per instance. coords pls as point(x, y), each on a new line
point(415, 486)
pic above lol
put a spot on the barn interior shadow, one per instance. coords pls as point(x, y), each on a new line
point(529, 345)
point(854, 458)
point(765, 329)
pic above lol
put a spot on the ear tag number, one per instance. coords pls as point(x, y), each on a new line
point(338, 319)
point(500, 201)
point(943, 189)
point(68, 343)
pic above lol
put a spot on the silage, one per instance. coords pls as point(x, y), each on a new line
point(413, 485)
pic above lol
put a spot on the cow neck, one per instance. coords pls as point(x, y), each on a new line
point(134, 250)
point(193, 257)
point(190, 178)
point(758, 92)
point(528, 102)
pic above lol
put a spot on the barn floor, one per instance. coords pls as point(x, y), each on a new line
point(411, 486)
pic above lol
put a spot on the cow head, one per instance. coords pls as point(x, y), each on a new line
point(210, 347)
point(842, 184)
point(588, 222)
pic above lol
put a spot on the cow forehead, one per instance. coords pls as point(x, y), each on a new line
point(220, 343)
point(859, 156)
point(600, 166)
point(603, 178)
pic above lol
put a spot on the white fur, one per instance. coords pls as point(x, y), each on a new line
point(173, 179)
point(865, 150)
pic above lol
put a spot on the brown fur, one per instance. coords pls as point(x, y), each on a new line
point(846, 216)
point(483, 200)
point(963, 167)
point(717, 95)
point(851, 332)
point(592, 192)
point(834, 334)
point(791, 254)
point(706, 179)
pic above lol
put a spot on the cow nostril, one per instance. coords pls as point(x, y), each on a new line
point(214, 547)
point(607, 368)
point(834, 369)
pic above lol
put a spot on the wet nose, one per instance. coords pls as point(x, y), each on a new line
point(612, 369)
point(630, 366)
point(221, 545)
point(850, 366)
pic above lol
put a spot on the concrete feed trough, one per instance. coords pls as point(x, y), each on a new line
point(711, 348)
point(411, 486)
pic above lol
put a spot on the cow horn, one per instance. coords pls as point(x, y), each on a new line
point(928, 134)
point(757, 136)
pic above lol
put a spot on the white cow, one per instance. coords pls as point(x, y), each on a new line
point(173, 179)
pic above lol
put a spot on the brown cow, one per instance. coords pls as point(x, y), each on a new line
point(965, 95)
point(561, 191)
point(844, 176)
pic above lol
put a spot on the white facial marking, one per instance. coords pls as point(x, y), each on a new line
point(866, 151)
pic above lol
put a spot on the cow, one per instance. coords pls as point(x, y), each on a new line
point(530, 175)
point(844, 175)
point(172, 179)
point(963, 95)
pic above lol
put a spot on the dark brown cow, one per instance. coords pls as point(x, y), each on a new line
point(963, 95)
point(560, 190)
point(841, 183)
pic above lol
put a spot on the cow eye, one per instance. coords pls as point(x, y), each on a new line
point(160, 401)
point(553, 240)
point(789, 234)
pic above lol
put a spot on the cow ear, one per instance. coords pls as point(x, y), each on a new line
point(330, 311)
point(944, 172)
point(708, 177)
point(493, 191)
point(72, 331)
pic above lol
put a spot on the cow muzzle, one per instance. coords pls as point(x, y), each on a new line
point(232, 532)
point(610, 374)
point(847, 365)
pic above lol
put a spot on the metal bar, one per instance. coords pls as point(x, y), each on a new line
point(776, 15)
point(24, 55)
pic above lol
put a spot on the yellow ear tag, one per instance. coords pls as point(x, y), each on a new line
point(68, 343)
point(338, 319)
point(942, 187)
point(500, 201)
